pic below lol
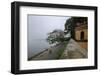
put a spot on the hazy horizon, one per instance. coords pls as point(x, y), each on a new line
point(38, 28)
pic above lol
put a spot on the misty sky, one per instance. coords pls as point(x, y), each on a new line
point(39, 26)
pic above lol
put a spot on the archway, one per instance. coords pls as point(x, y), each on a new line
point(82, 35)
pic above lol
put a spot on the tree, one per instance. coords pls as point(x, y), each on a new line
point(71, 24)
point(56, 36)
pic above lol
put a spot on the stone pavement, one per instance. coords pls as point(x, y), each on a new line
point(49, 54)
point(74, 51)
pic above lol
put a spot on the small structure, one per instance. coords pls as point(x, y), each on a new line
point(81, 34)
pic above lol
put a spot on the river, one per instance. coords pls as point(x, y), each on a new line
point(36, 46)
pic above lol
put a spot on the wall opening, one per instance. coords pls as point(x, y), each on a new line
point(82, 35)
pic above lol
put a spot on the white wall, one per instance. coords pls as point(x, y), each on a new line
point(5, 41)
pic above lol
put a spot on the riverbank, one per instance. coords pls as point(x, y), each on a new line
point(51, 53)
point(66, 50)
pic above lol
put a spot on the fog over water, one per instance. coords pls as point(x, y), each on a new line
point(38, 28)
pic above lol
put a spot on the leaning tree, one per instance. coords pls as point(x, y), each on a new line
point(56, 36)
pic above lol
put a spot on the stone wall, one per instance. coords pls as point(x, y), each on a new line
point(83, 44)
point(78, 34)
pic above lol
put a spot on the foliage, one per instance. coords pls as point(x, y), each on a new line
point(71, 23)
point(61, 50)
point(57, 36)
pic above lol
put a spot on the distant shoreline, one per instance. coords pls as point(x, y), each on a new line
point(42, 52)
point(37, 54)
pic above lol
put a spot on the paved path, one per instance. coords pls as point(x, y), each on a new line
point(74, 51)
point(49, 54)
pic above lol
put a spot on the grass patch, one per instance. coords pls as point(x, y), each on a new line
point(60, 52)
